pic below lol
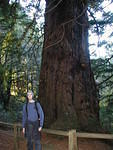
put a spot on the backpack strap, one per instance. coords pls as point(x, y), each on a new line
point(37, 109)
point(27, 109)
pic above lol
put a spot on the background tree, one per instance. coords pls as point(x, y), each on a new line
point(20, 50)
point(102, 65)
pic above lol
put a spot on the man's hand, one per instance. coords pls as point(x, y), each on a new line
point(23, 131)
point(39, 129)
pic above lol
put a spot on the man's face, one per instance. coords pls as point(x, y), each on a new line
point(29, 95)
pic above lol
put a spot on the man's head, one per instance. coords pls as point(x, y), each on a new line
point(30, 95)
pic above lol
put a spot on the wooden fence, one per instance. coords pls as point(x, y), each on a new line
point(72, 135)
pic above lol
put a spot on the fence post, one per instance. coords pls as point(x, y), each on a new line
point(72, 140)
point(15, 137)
point(19, 131)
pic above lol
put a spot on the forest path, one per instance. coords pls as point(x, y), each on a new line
point(52, 143)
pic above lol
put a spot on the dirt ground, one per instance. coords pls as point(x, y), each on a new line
point(50, 142)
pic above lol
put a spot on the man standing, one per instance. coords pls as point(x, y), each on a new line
point(32, 122)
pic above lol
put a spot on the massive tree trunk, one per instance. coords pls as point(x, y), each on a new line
point(67, 88)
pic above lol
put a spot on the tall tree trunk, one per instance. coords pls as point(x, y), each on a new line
point(67, 88)
point(7, 94)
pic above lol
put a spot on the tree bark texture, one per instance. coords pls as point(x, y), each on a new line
point(67, 88)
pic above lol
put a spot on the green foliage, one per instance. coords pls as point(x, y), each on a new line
point(14, 112)
point(103, 71)
point(103, 67)
point(20, 52)
point(106, 115)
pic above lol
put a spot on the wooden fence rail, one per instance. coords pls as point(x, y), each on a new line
point(72, 135)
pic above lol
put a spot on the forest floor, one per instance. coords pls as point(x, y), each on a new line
point(53, 143)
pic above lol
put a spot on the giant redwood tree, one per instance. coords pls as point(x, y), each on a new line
point(67, 88)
